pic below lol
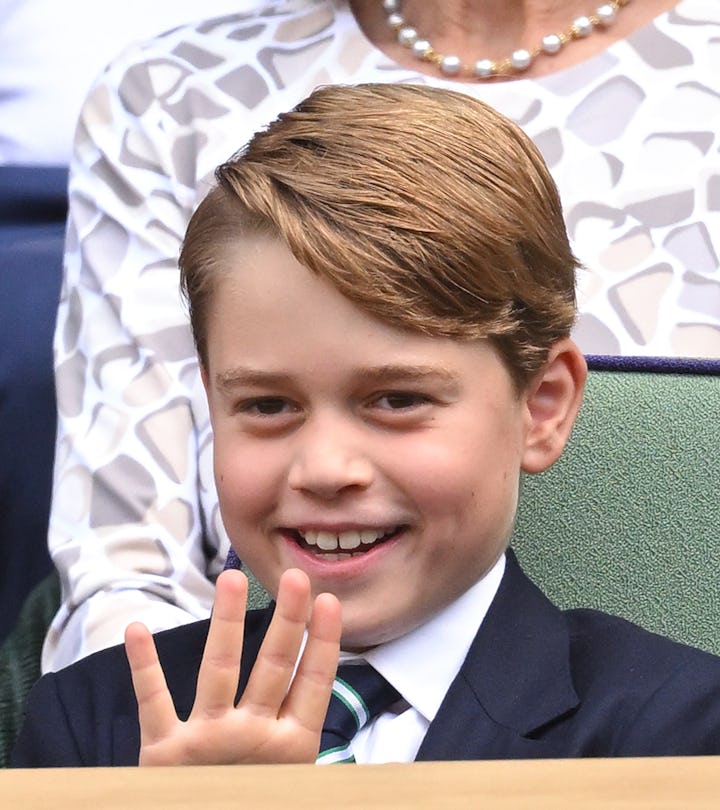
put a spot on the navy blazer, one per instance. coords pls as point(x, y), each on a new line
point(537, 683)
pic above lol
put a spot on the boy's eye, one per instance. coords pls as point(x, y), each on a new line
point(266, 406)
point(401, 400)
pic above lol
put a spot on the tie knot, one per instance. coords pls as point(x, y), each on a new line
point(359, 694)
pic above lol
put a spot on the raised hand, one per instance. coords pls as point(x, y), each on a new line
point(271, 722)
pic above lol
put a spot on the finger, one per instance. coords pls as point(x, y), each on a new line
point(275, 664)
point(156, 711)
point(309, 695)
point(220, 666)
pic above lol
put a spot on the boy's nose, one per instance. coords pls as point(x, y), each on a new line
point(328, 462)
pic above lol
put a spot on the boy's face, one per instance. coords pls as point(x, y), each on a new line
point(384, 464)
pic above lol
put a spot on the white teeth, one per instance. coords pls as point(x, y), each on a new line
point(349, 540)
point(326, 541)
point(330, 541)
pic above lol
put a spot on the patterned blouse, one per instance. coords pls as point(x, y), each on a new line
point(632, 137)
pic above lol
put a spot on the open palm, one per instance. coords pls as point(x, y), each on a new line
point(279, 717)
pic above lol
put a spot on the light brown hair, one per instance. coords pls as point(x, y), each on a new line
point(425, 207)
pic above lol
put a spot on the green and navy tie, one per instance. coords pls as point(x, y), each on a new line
point(359, 694)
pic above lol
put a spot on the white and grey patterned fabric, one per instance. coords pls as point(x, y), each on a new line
point(632, 137)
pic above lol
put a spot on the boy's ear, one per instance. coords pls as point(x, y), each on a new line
point(553, 400)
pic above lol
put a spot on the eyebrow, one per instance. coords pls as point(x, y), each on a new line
point(242, 376)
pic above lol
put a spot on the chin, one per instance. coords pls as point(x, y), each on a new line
point(361, 638)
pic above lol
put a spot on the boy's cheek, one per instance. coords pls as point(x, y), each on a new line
point(241, 482)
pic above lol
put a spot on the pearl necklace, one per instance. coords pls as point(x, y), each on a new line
point(520, 59)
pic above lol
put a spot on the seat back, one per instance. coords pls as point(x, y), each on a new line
point(628, 520)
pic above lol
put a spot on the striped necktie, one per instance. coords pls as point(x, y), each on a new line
point(359, 694)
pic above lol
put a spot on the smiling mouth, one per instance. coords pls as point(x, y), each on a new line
point(349, 542)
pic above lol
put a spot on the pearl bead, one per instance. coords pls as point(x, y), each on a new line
point(421, 47)
point(520, 59)
point(406, 36)
point(582, 26)
point(606, 14)
point(450, 65)
point(484, 68)
point(551, 43)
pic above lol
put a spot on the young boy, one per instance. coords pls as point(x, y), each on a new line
point(381, 292)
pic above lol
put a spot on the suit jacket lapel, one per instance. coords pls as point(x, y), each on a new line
point(516, 678)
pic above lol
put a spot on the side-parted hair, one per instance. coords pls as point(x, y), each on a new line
point(425, 207)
